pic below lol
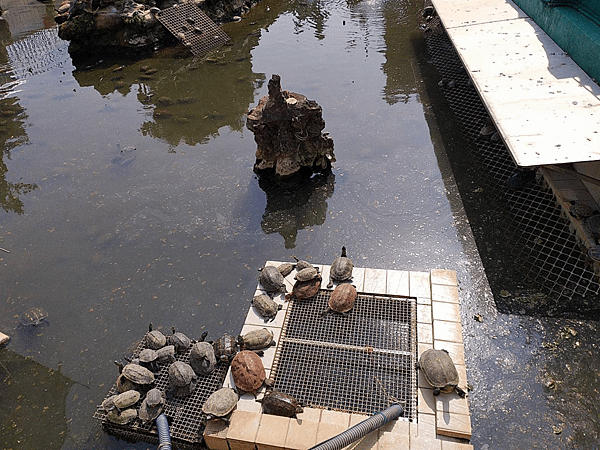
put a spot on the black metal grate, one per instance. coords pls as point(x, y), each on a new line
point(186, 420)
point(193, 27)
point(358, 363)
point(524, 240)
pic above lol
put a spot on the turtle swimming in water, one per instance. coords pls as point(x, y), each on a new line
point(341, 269)
point(440, 372)
point(33, 317)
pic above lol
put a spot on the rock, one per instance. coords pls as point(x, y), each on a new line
point(288, 130)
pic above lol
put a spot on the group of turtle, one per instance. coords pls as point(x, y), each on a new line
point(307, 285)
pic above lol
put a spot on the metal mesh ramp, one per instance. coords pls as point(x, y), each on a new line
point(532, 259)
point(186, 420)
point(193, 27)
point(356, 363)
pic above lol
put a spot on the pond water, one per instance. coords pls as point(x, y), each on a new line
point(128, 197)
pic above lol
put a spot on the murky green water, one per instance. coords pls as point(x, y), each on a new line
point(128, 197)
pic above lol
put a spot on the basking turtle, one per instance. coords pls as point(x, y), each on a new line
point(285, 269)
point(304, 289)
point(148, 358)
point(123, 417)
point(342, 299)
point(341, 269)
point(180, 341)
point(152, 405)
point(266, 306)
point(580, 210)
point(33, 317)
point(165, 354)
point(440, 372)
point(301, 264)
point(256, 339)
point(220, 404)
point(182, 379)
point(202, 358)
point(155, 339)
point(137, 374)
point(126, 399)
point(248, 372)
point(307, 274)
point(277, 403)
point(123, 384)
point(226, 348)
point(271, 279)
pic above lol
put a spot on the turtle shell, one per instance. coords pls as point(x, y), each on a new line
point(149, 413)
point(109, 403)
point(181, 374)
point(580, 210)
point(155, 339)
point(279, 404)
point(285, 269)
point(33, 316)
point(271, 279)
point(166, 354)
point(225, 347)
point(123, 384)
point(301, 264)
point(221, 402)
point(266, 306)
point(307, 274)
point(342, 298)
point(180, 341)
point(202, 358)
point(256, 339)
point(126, 399)
point(248, 371)
point(122, 417)
point(341, 269)
point(148, 355)
point(305, 289)
point(439, 371)
point(154, 397)
point(138, 374)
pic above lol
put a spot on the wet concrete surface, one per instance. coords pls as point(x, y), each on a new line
point(108, 239)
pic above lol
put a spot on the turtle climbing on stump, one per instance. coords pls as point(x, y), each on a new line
point(341, 269)
point(440, 372)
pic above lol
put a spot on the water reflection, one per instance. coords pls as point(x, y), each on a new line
point(33, 403)
point(295, 204)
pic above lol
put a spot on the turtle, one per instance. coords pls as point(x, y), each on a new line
point(256, 339)
point(33, 317)
point(126, 399)
point(202, 358)
point(226, 348)
point(155, 339)
point(285, 269)
point(248, 372)
point(271, 279)
point(137, 374)
point(580, 210)
point(304, 289)
point(341, 269)
point(180, 341)
point(300, 264)
point(220, 404)
point(123, 417)
point(440, 372)
point(266, 306)
point(277, 403)
point(307, 274)
point(108, 404)
point(342, 299)
point(124, 384)
point(182, 379)
point(165, 354)
point(152, 405)
point(148, 358)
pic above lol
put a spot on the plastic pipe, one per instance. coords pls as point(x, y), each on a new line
point(360, 429)
point(164, 435)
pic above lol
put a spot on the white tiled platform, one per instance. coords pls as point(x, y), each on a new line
point(442, 423)
point(546, 108)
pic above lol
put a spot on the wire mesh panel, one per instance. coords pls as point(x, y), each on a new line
point(532, 259)
point(186, 419)
point(193, 27)
point(358, 362)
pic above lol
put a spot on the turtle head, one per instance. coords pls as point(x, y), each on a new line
point(343, 251)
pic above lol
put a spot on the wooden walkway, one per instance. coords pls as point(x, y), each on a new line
point(443, 423)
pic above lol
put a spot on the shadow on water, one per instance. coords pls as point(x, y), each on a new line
point(296, 203)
